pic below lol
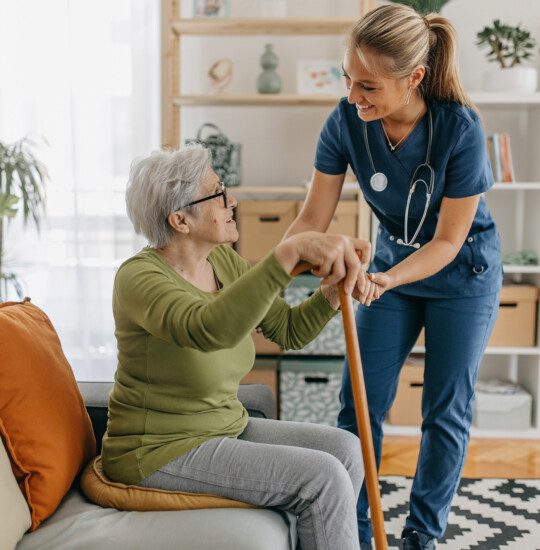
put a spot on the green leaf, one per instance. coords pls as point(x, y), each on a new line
point(423, 6)
point(506, 42)
point(7, 205)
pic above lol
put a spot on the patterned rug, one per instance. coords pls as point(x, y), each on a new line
point(487, 514)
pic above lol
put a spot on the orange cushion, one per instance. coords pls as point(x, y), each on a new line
point(47, 431)
point(100, 490)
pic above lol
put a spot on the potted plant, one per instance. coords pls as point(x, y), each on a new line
point(424, 6)
point(22, 188)
point(508, 46)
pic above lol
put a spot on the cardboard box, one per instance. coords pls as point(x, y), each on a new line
point(516, 323)
point(407, 407)
point(344, 219)
point(264, 346)
point(262, 225)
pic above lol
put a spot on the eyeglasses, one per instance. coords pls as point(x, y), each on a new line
point(222, 193)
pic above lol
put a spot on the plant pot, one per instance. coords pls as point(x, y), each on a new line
point(511, 79)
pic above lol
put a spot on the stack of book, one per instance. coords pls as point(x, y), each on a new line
point(500, 157)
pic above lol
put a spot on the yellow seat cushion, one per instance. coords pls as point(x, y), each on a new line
point(108, 494)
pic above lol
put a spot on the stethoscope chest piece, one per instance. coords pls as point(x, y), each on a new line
point(378, 181)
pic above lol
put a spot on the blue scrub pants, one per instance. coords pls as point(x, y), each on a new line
point(457, 330)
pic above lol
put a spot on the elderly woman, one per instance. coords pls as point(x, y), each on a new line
point(184, 310)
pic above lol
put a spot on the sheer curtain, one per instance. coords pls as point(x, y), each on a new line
point(84, 75)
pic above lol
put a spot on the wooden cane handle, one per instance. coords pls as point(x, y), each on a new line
point(301, 267)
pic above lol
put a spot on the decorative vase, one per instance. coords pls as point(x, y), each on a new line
point(511, 79)
point(269, 81)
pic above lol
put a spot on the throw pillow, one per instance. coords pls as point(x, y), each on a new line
point(43, 421)
point(14, 512)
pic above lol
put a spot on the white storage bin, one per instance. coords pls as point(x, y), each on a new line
point(502, 406)
point(309, 390)
point(331, 340)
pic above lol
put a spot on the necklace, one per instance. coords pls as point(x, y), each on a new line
point(394, 147)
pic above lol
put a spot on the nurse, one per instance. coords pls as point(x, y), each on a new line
point(416, 144)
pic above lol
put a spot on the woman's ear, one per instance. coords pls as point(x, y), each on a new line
point(417, 76)
point(178, 221)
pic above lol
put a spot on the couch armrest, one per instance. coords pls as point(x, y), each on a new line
point(96, 399)
point(256, 398)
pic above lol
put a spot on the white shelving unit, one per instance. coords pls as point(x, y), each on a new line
point(515, 207)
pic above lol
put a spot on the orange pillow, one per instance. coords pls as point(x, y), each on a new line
point(47, 431)
point(99, 489)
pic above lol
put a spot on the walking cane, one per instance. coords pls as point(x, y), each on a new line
point(362, 412)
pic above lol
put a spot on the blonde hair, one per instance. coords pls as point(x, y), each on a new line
point(404, 39)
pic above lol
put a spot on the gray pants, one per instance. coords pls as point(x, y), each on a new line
point(312, 471)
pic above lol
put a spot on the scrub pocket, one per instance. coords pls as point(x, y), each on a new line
point(482, 262)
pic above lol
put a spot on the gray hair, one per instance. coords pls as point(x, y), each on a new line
point(160, 184)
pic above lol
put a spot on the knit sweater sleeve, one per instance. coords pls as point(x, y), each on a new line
point(293, 327)
point(147, 296)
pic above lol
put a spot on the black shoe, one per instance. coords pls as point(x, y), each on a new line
point(366, 546)
point(410, 540)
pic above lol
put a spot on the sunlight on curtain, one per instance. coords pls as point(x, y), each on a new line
point(86, 77)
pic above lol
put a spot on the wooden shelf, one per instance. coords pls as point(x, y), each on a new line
point(521, 268)
point(329, 100)
point(505, 98)
point(495, 350)
point(265, 26)
point(257, 100)
point(516, 186)
point(531, 433)
point(288, 192)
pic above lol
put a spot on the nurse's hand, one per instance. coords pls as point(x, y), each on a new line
point(379, 283)
point(363, 287)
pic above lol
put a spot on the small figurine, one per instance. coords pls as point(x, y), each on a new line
point(220, 74)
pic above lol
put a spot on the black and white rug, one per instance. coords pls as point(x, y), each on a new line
point(487, 514)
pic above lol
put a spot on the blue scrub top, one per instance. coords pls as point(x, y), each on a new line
point(460, 160)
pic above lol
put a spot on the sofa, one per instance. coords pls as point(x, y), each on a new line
point(51, 426)
point(79, 524)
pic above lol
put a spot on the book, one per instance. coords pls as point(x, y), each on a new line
point(500, 158)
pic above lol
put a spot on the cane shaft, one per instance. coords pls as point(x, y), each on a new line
point(362, 420)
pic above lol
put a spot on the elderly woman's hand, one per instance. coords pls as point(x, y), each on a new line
point(335, 257)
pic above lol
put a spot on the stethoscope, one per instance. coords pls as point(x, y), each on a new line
point(379, 182)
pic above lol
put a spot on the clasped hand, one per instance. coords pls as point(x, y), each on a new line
point(338, 258)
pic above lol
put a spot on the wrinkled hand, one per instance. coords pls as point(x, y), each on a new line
point(336, 256)
point(331, 293)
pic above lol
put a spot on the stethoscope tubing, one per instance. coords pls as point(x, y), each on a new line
point(412, 186)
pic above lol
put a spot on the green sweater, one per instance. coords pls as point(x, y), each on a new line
point(182, 353)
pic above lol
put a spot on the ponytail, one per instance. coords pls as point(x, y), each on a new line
point(442, 81)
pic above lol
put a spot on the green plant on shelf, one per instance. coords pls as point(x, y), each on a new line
point(523, 257)
point(423, 6)
point(508, 45)
point(22, 188)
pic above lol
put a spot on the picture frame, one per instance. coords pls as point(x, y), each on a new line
point(211, 8)
point(320, 77)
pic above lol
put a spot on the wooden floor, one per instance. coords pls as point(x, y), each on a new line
point(506, 458)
